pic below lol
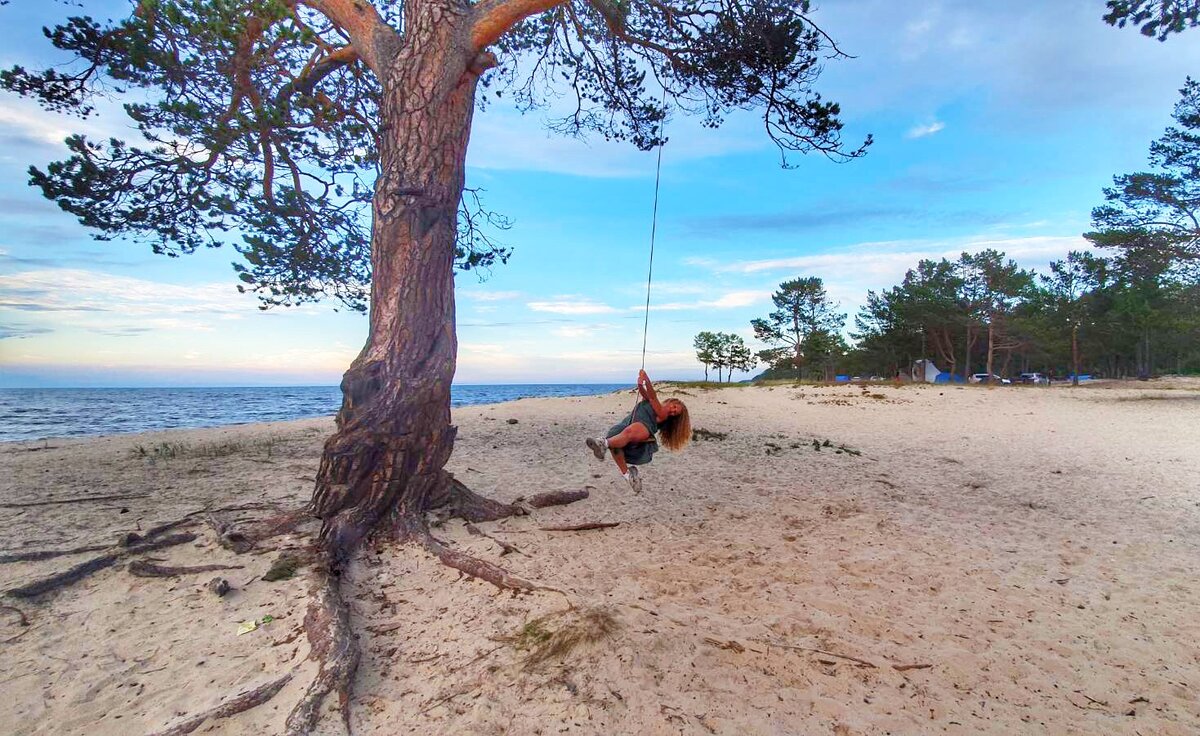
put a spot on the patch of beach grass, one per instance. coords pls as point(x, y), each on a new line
point(555, 636)
point(205, 450)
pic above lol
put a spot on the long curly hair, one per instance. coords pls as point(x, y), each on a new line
point(675, 432)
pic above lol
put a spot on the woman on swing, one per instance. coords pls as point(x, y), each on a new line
point(632, 441)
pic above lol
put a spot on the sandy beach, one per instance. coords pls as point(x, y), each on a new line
point(834, 560)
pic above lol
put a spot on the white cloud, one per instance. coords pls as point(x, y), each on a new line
point(571, 306)
point(79, 290)
point(731, 300)
point(923, 131)
point(483, 295)
point(32, 125)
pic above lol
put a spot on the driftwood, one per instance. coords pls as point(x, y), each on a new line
point(82, 570)
point(81, 499)
point(144, 569)
point(49, 554)
point(237, 704)
point(581, 527)
point(556, 498)
point(907, 667)
point(827, 653)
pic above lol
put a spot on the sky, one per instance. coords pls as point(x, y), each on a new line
point(996, 125)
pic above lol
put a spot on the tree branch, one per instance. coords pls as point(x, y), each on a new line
point(494, 17)
point(374, 40)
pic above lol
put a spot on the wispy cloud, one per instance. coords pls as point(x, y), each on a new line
point(730, 300)
point(483, 295)
point(568, 305)
point(14, 331)
point(79, 290)
point(924, 131)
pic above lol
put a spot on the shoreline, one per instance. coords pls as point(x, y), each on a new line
point(461, 403)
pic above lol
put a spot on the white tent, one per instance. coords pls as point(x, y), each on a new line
point(924, 371)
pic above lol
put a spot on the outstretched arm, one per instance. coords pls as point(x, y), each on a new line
point(646, 389)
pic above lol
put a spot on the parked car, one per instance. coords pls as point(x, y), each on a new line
point(1036, 379)
point(983, 377)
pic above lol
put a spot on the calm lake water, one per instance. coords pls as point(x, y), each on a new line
point(36, 413)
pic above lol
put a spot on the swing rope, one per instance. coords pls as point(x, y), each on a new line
point(653, 230)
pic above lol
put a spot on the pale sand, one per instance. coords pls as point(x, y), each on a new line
point(1038, 548)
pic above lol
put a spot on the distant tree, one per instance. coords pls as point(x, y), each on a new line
point(1154, 18)
point(326, 141)
point(928, 299)
point(707, 347)
point(822, 352)
point(1066, 287)
point(1159, 209)
point(730, 353)
point(740, 356)
point(996, 287)
point(801, 307)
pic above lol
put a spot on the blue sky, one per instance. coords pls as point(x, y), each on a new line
point(996, 125)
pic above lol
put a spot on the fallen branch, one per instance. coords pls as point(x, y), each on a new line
point(237, 704)
point(83, 499)
point(505, 547)
point(556, 498)
point(20, 614)
point(856, 660)
point(83, 570)
point(144, 569)
point(907, 667)
point(581, 527)
point(48, 554)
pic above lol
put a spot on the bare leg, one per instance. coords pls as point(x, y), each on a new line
point(618, 456)
point(631, 435)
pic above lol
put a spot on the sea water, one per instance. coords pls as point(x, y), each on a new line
point(37, 413)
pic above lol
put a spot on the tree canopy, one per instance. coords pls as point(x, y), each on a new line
point(1159, 209)
point(261, 119)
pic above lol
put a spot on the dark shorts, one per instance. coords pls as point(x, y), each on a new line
point(638, 453)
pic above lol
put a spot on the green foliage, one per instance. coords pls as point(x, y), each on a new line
point(723, 350)
point(804, 318)
point(1154, 18)
point(1159, 210)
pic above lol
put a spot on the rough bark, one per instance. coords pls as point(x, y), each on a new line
point(385, 462)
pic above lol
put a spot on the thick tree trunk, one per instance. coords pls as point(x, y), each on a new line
point(385, 462)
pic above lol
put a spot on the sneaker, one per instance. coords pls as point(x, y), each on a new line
point(597, 447)
point(635, 481)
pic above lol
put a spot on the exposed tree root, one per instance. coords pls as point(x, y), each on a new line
point(556, 498)
point(274, 526)
point(144, 569)
point(475, 567)
point(505, 547)
point(227, 536)
point(49, 554)
point(581, 527)
point(468, 505)
point(327, 624)
point(82, 499)
point(237, 704)
point(83, 570)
